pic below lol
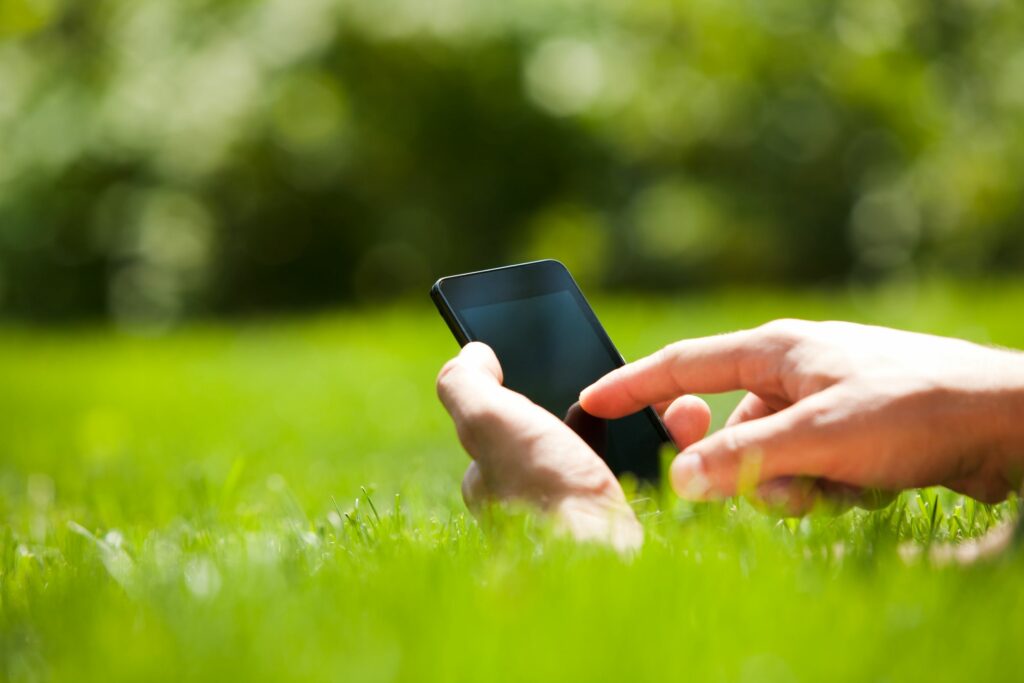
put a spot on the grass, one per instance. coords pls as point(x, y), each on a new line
point(279, 501)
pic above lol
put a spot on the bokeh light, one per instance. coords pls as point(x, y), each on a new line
point(164, 160)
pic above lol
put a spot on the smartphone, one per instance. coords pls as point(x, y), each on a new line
point(551, 346)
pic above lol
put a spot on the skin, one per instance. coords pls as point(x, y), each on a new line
point(834, 411)
point(521, 452)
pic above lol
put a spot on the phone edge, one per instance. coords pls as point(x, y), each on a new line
point(437, 296)
point(445, 309)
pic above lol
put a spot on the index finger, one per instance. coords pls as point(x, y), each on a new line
point(711, 365)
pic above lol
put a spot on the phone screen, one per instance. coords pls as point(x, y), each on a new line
point(551, 347)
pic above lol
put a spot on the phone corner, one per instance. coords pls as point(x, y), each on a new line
point(554, 263)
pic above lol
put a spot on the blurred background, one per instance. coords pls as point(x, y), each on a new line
point(163, 160)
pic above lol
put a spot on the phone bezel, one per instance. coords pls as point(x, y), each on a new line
point(520, 281)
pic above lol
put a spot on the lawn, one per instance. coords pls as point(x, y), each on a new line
point(278, 500)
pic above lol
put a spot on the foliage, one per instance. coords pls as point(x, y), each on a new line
point(192, 507)
point(236, 155)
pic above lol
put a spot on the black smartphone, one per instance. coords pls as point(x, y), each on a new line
point(551, 346)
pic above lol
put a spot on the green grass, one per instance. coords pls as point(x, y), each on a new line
point(191, 508)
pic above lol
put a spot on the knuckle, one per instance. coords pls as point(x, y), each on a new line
point(668, 356)
point(663, 356)
point(813, 417)
point(476, 423)
point(739, 443)
point(484, 415)
point(667, 351)
point(786, 331)
point(449, 374)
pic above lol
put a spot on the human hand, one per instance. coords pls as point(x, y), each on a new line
point(846, 406)
point(521, 452)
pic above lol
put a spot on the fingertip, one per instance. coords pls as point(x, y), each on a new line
point(477, 350)
point(688, 419)
point(599, 398)
point(689, 477)
point(474, 489)
point(481, 356)
point(590, 400)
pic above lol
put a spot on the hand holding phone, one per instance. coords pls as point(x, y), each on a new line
point(514, 400)
point(551, 346)
point(521, 452)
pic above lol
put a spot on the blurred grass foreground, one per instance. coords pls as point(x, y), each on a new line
point(192, 507)
point(220, 453)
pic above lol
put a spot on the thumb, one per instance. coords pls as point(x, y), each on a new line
point(469, 378)
point(738, 458)
point(479, 357)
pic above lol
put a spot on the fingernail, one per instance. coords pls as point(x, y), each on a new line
point(689, 476)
